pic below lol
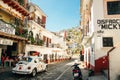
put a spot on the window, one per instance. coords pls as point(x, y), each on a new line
point(38, 20)
point(113, 7)
point(29, 59)
point(107, 42)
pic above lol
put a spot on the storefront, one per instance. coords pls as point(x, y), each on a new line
point(11, 45)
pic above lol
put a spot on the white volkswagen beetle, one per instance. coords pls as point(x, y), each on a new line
point(30, 65)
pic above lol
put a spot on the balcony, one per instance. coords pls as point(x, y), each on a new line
point(16, 5)
point(6, 27)
point(10, 30)
point(20, 31)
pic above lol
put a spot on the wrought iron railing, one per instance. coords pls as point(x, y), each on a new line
point(14, 29)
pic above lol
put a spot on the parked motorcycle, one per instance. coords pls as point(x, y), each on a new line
point(77, 74)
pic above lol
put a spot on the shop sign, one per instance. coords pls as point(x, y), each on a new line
point(7, 28)
point(105, 24)
point(6, 41)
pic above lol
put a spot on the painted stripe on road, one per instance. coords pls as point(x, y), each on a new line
point(62, 74)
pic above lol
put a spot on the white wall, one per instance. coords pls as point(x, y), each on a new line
point(35, 27)
point(59, 40)
point(98, 14)
point(45, 50)
point(114, 63)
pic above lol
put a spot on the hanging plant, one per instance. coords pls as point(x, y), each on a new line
point(40, 42)
point(17, 31)
point(25, 32)
point(17, 21)
point(21, 2)
point(31, 38)
point(20, 30)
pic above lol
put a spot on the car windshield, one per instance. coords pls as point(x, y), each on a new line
point(27, 59)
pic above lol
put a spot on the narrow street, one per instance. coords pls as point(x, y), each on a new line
point(56, 71)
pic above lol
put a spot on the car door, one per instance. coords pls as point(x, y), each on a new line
point(41, 64)
point(44, 66)
point(38, 64)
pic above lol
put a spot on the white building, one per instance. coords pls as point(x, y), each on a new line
point(37, 30)
point(58, 39)
point(37, 24)
point(100, 21)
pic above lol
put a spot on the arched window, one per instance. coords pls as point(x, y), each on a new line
point(38, 20)
point(31, 38)
point(37, 37)
point(30, 33)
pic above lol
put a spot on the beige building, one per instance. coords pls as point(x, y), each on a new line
point(12, 16)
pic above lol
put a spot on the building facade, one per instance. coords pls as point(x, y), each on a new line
point(36, 26)
point(100, 24)
point(12, 16)
point(40, 39)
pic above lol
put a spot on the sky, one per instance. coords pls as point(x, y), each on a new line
point(61, 14)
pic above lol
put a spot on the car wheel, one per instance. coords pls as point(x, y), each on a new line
point(46, 68)
point(34, 72)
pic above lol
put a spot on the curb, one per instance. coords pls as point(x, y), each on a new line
point(4, 69)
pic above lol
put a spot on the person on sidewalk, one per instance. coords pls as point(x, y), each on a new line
point(80, 55)
point(3, 59)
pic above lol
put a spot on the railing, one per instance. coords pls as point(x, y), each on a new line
point(21, 2)
point(6, 27)
point(12, 29)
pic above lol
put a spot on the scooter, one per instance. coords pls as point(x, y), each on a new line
point(77, 72)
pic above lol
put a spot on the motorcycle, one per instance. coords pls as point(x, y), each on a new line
point(77, 72)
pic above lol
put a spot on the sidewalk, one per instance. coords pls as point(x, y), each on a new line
point(3, 69)
point(98, 76)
